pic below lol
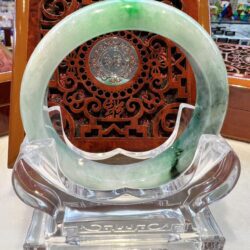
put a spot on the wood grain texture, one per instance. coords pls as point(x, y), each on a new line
point(237, 122)
point(5, 77)
point(4, 119)
point(237, 81)
point(16, 133)
point(204, 15)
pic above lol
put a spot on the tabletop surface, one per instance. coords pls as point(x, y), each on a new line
point(232, 213)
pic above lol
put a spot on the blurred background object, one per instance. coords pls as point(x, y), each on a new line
point(5, 79)
point(7, 15)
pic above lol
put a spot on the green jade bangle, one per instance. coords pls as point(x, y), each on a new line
point(110, 16)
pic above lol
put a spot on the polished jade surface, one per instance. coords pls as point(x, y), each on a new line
point(114, 15)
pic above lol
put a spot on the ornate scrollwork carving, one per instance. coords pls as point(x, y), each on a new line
point(131, 91)
point(237, 59)
point(113, 61)
point(147, 102)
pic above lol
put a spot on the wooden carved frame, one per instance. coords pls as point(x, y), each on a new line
point(26, 14)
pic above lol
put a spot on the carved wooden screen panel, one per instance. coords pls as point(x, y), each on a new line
point(237, 59)
point(237, 121)
point(137, 115)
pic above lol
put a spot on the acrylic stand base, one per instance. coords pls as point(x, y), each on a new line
point(173, 216)
point(168, 229)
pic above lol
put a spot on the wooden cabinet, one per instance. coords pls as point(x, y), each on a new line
point(237, 122)
point(237, 60)
point(5, 79)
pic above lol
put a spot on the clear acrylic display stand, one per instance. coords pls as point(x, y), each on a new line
point(171, 216)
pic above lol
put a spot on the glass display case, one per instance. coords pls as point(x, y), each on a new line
point(230, 28)
point(230, 21)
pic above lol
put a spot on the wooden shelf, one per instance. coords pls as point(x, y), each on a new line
point(5, 77)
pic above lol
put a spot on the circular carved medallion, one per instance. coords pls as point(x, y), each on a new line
point(113, 61)
point(247, 59)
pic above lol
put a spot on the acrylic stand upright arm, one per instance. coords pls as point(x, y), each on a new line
point(61, 205)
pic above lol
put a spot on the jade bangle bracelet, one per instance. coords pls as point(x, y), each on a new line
point(114, 15)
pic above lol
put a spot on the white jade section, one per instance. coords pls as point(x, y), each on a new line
point(109, 16)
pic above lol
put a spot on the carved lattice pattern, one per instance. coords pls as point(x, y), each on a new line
point(237, 59)
point(138, 115)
